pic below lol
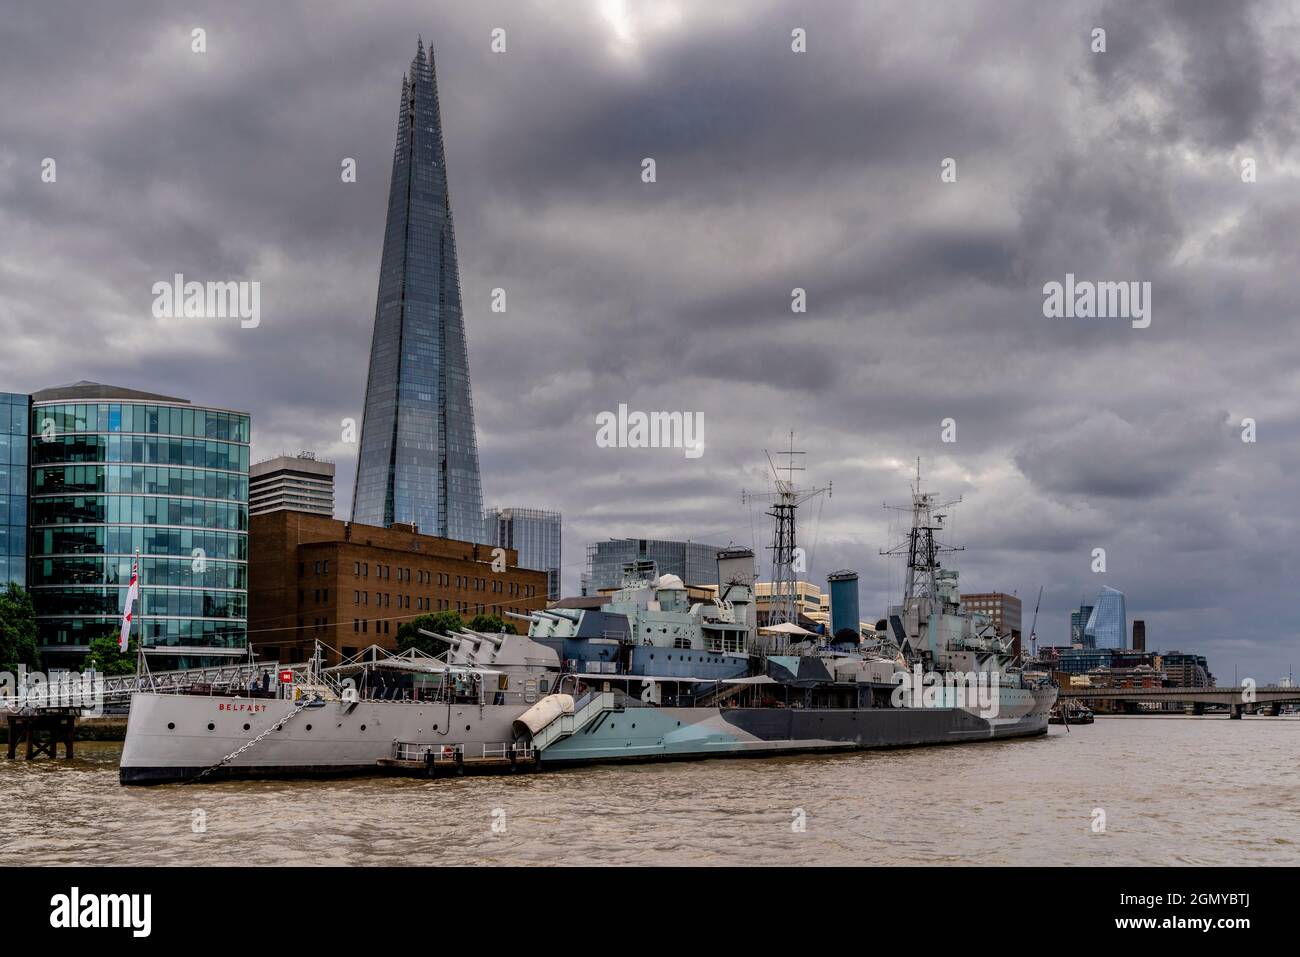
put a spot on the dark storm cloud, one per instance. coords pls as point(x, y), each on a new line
point(775, 171)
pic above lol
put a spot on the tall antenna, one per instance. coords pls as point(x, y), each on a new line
point(787, 558)
point(923, 546)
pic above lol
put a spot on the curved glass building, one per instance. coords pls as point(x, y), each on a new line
point(1108, 624)
point(115, 470)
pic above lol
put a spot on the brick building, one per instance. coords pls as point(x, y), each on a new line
point(1004, 609)
point(350, 586)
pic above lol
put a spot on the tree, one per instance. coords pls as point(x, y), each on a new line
point(106, 658)
point(18, 645)
point(492, 624)
point(442, 623)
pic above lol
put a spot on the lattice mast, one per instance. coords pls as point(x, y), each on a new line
point(923, 545)
point(785, 499)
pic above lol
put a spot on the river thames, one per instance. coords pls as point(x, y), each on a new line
point(1172, 791)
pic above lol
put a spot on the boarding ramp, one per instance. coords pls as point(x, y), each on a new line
point(559, 716)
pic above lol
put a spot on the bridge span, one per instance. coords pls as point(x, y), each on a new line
point(1238, 700)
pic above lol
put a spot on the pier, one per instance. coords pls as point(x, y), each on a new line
point(433, 760)
point(57, 725)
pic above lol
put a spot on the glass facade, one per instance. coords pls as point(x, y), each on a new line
point(535, 534)
point(692, 562)
point(418, 461)
point(13, 488)
point(108, 478)
point(1078, 621)
point(1108, 624)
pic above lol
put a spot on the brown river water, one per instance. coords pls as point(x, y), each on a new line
point(1173, 791)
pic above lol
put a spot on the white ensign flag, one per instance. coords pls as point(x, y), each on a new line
point(132, 593)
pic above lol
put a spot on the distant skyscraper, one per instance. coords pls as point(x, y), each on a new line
point(534, 533)
point(1108, 624)
point(418, 461)
point(1078, 621)
point(694, 563)
point(1139, 635)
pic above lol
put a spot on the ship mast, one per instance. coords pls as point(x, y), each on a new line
point(786, 559)
point(923, 546)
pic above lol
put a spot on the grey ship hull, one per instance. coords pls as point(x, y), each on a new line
point(178, 737)
point(642, 734)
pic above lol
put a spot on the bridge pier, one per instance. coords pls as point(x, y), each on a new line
point(1234, 711)
point(60, 726)
point(1198, 708)
point(1275, 709)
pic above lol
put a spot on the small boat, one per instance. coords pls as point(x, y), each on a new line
point(1070, 712)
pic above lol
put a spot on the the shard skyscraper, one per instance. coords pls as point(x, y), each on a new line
point(418, 460)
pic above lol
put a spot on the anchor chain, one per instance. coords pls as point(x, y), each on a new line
point(240, 750)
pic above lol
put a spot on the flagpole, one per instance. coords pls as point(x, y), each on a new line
point(139, 643)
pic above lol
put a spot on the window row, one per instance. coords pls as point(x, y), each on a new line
point(186, 572)
point(180, 603)
point(140, 450)
point(158, 632)
point(123, 417)
point(137, 510)
point(101, 540)
point(144, 479)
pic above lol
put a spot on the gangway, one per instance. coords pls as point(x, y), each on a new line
point(221, 679)
point(117, 689)
point(558, 716)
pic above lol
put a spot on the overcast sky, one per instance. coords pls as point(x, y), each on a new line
point(775, 170)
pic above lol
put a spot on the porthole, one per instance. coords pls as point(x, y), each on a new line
point(171, 725)
point(211, 726)
point(435, 727)
point(466, 727)
point(246, 727)
point(308, 727)
point(363, 727)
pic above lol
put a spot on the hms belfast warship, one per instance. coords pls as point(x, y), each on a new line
point(652, 674)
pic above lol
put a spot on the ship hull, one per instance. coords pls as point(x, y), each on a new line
point(174, 738)
point(179, 737)
point(646, 734)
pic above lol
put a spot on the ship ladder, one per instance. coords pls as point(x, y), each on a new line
point(307, 701)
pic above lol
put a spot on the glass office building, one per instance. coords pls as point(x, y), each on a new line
point(113, 472)
point(694, 563)
point(1108, 624)
point(535, 534)
point(418, 461)
point(13, 488)
point(1078, 622)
